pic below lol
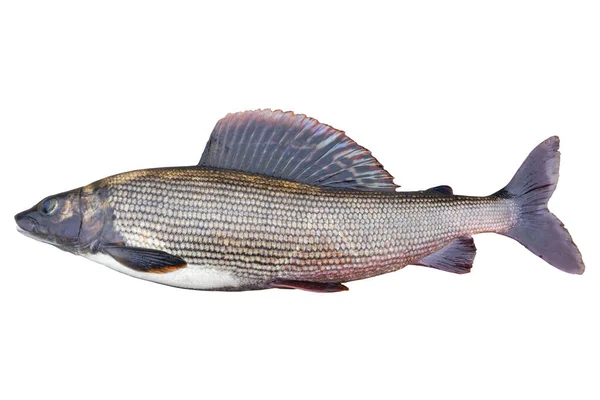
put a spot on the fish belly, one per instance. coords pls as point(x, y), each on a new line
point(200, 277)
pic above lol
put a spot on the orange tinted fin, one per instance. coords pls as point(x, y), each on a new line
point(145, 260)
point(319, 287)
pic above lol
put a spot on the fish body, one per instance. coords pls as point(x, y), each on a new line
point(280, 200)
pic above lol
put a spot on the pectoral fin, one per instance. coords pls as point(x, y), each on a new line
point(145, 260)
point(320, 287)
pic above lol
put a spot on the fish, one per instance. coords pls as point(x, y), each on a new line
point(280, 200)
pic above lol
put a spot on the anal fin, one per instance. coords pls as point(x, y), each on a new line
point(319, 287)
point(457, 257)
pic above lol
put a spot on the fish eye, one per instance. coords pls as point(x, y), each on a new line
point(49, 206)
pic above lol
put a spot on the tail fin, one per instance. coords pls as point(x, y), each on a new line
point(537, 228)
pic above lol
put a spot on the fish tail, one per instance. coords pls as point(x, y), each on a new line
point(536, 227)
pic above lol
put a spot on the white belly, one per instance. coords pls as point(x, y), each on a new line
point(192, 277)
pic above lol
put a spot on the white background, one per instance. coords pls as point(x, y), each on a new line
point(451, 93)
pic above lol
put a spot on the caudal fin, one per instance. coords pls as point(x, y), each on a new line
point(537, 228)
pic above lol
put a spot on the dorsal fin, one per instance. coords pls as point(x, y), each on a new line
point(294, 147)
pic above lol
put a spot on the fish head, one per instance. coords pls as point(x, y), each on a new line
point(55, 220)
point(79, 221)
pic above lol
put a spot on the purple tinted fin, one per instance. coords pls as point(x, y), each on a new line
point(537, 228)
point(293, 147)
point(456, 257)
point(320, 287)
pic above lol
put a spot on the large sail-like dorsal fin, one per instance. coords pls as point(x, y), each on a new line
point(293, 147)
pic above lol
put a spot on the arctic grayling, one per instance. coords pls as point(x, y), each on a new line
point(279, 200)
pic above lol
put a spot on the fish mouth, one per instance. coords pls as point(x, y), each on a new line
point(40, 238)
point(31, 234)
point(26, 233)
point(26, 223)
point(29, 227)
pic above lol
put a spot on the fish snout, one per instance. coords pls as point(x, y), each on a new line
point(25, 222)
